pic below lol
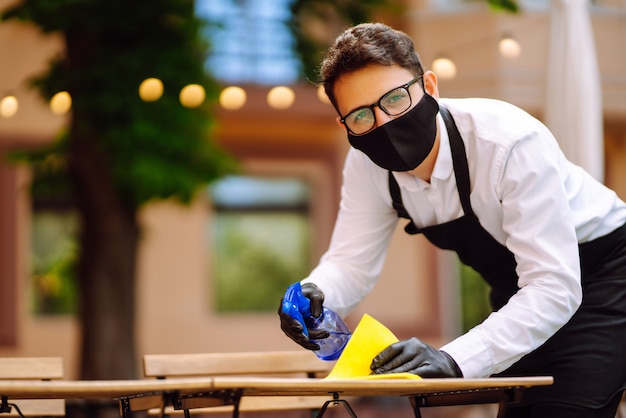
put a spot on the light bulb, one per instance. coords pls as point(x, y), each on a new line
point(281, 97)
point(192, 95)
point(8, 106)
point(151, 89)
point(322, 96)
point(444, 68)
point(233, 98)
point(61, 103)
point(509, 47)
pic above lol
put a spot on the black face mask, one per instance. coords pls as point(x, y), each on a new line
point(402, 143)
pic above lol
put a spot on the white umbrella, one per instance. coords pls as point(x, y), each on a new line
point(574, 98)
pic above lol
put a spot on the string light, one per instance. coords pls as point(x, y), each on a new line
point(509, 47)
point(192, 95)
point(321, 95)
point(444, 67)
point(281, 97)
point(8, 106)
point(233, 98)
point(151, 89)
point(61, 103)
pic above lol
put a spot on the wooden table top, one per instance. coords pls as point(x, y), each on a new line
point(253, 386)
point(100, 389)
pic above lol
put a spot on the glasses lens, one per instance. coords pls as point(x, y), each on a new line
point(361, 120)
point(396, 101)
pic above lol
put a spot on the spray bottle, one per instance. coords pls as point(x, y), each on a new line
point(298, 306)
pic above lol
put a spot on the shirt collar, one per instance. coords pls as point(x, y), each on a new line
point(443, 164)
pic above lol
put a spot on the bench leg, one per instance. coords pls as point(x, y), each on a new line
point(5, 406)
point(236, 407)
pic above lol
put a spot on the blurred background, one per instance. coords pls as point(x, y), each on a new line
point(169, 168)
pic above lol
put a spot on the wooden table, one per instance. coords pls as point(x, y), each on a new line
point(128, 392)
point(422, 393)
point(188, 393)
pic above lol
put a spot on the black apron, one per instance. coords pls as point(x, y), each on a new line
point(587, 357)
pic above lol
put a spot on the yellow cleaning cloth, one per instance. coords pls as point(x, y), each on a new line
point(369, 338)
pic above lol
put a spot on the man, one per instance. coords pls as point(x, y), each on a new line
point(485, 179)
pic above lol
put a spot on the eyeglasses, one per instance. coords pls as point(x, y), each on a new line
point(395, 102)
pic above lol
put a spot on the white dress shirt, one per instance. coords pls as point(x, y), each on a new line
point(524, 193)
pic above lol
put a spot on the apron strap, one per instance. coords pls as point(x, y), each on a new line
point(459, 160)
point(396, 201)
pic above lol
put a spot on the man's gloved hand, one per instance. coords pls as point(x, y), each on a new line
point(417, 357)
point(294, 329)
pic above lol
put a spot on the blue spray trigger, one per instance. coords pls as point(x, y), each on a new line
point(296, 305)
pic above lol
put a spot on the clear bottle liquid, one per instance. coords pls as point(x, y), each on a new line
point(331, 347)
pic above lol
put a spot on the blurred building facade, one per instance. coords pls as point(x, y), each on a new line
point(418, 291)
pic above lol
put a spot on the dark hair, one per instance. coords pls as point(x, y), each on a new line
point(365, 44)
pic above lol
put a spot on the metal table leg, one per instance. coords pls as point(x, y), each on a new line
point(336, 401)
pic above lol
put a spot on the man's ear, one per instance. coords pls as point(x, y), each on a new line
point(431, 84)
point(338, 120)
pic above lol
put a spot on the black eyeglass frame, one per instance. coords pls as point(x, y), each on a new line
point(405, 86)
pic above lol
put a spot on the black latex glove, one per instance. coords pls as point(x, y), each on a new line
point(417, 357)
point(293, 328)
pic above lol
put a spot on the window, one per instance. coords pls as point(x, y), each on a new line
point(54, 255)
point(260, 238)
point(250, 41)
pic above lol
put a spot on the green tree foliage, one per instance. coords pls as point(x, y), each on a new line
point(155, 150)
point(475, 305)
point(504, 5)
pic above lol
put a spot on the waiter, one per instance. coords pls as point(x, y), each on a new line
point(485, 179)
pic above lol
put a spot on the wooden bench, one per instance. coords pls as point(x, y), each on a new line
point(31, 368)
point(300, 363)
